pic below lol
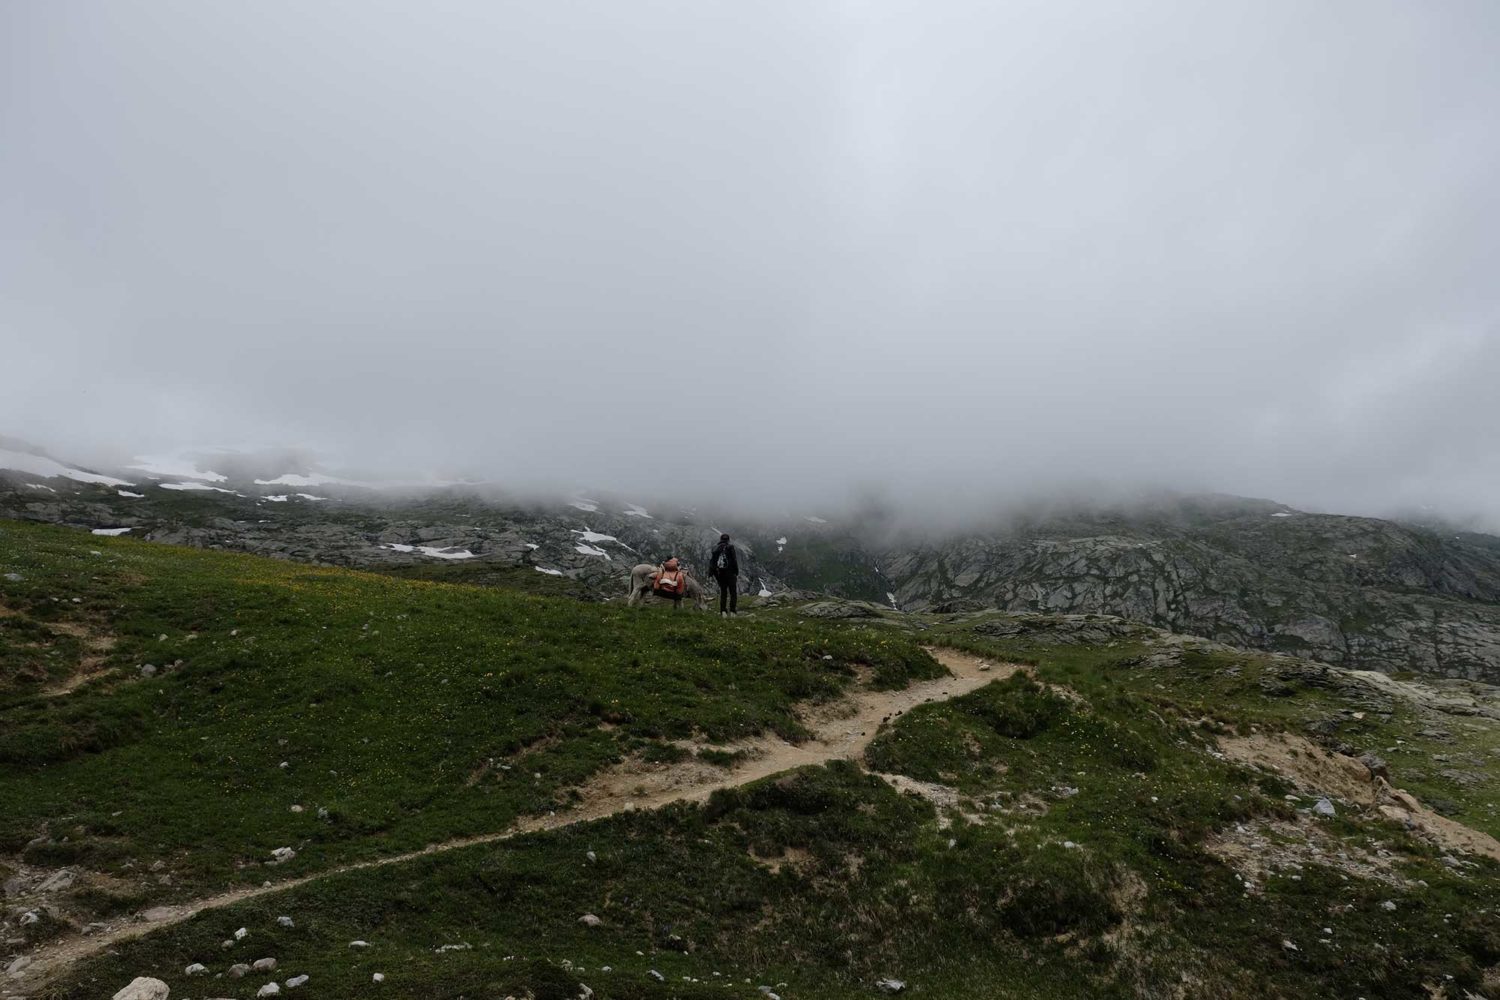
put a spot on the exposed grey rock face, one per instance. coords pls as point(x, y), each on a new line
point(1353, 591)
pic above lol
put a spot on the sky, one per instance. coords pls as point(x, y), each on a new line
point(782, 252)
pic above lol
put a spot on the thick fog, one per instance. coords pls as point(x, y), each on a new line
point(774, 251)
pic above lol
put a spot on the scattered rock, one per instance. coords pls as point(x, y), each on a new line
point(1389, 905)
point(144, 988)
point(589, 920)
point(196, 969)
point(282, 854)
point(1288, 946)
point(1323, 807)
point(284, 921)
point(359, 944)
point(297, 981)
point(379, 977)
point(268, 990)
point(264, 965)
point(889, 985)
point(15, 967)
point(239, 970)
point(657, 976)
point(157, 914)
point(1376, 765)
point(240, 934)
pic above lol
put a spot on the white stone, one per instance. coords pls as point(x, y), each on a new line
point(196, 969)
point(379, 977)
point(144, 988)
point(296, 981)
point(268, 990)
point(264, 965)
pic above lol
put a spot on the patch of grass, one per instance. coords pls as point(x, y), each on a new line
point(394, 712)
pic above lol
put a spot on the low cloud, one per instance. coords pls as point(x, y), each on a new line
point(798, 253)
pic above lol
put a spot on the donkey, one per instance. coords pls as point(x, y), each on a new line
point(640, 583)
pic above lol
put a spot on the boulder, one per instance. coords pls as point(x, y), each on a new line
point(144, 988)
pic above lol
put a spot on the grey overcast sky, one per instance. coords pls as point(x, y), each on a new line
point(772, 249)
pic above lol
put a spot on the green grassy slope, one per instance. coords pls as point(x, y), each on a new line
point(1060, 841)
point(407, 711)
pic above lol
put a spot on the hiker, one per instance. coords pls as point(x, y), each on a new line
point(725, 566)
point(670, 580)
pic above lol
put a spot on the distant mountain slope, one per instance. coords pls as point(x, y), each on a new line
point(1354, 591)
point(1350, 590)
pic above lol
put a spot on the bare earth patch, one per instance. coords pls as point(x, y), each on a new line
point(1316, 770)
point(96, 644)
point(1260, 850)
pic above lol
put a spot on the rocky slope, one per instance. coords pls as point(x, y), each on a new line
point(1354, 591)
point(454, 533)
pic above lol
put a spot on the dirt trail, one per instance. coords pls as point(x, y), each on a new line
point(840, 731)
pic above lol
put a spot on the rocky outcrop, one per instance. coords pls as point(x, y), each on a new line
point(1353, 591)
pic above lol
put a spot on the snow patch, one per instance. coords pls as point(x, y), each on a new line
point(199, 487)
point(587, 506)
point(892, 598)
point(175, 467)
point(1282, 513)
point(816, 520)
point(589, 550)
point(281, 498)
point(110, 531)
point(39, 465)
point(593, 536)
point(549, 572)
point(452, 552)
point(309, 496)
point(41, 486)
point(636, 510)
point(133, 496)
point(764, 591)
point(533, 546)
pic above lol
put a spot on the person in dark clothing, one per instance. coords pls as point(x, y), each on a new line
point(725, 566)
